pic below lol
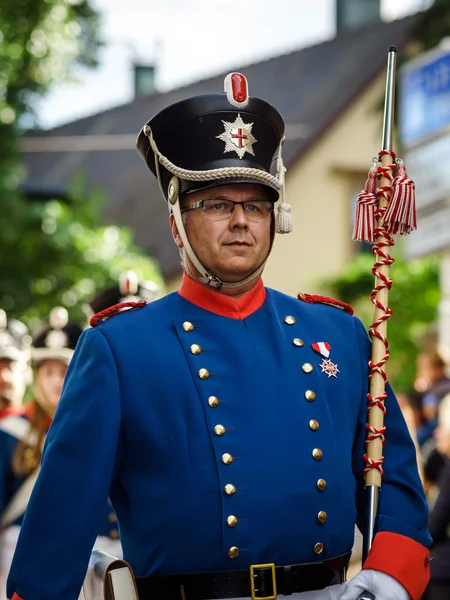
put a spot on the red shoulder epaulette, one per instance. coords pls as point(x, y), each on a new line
point(313, 299)
point(106, 314)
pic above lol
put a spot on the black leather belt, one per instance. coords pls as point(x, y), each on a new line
point(264, 582)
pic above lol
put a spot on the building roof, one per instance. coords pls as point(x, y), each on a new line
point(311, 87)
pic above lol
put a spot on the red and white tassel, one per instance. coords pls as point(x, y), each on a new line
point(366, 205)
point(400, 216)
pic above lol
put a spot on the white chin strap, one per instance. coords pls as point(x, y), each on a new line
point(207, 277)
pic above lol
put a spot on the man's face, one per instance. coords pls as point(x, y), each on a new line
point(50, 378)
point(235, 246)
point(12, 383)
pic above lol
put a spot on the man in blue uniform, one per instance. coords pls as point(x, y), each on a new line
point(226, 421)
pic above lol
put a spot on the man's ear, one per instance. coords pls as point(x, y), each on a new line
point(175, 234)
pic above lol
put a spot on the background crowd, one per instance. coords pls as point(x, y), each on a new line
point(33, 365)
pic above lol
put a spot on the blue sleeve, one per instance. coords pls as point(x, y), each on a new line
point(71, 492)
point(402, 505)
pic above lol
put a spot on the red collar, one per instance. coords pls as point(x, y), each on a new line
point(233, 308)
point(9, 410)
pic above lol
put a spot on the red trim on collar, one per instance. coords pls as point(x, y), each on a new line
point(226, 306)
point(9, 410)
point(402, 558)
point(16, 597)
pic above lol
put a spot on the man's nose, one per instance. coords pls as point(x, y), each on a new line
point(238, 217)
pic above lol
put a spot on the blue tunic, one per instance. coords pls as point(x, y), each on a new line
point(190, 418)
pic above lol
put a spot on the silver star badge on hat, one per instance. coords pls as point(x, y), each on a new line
point(238, 137)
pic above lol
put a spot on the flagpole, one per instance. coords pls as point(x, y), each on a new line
point(378, 331)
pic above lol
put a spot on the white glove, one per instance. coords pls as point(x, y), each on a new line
point(381, 585)
point(332, 592)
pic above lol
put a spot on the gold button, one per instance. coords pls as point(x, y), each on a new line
point(188, 327)
point(227, 459)
point(203, 373)
point(321, 484)
point(318, 548)
point(233, 552)
point(317, 453)
point(229, 489)
point(314, 425)
point(289, 320)
point(114, 534)
point(310, 395)
point(219, 429)
point(307, 367)
point(213, 401)
point(195, 349)
point(112, 518)
point(322, 516)
point(232, 521)
point(298, 342)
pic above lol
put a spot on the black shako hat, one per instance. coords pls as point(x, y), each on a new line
point(57, 339)
point(128, 289)
point(229, 130)
point(14, 338)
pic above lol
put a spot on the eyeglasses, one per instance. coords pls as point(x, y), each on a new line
point(218, 208)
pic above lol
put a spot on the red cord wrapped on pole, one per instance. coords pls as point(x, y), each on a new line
point(385, 207)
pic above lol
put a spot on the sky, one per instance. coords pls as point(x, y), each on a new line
point(189, 40)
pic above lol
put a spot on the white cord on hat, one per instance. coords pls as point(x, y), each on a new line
point(284, 210)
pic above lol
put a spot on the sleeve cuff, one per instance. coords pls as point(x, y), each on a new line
point(402, 558)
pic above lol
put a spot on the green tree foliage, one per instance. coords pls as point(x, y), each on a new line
point(413, 298)
point(52, 252)
point(433, 25)
point(65, 257)
point(40, 40)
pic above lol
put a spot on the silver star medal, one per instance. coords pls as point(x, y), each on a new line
point(238, 137)
point(329, 368)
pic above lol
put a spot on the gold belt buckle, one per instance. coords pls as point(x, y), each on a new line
point(254, 589)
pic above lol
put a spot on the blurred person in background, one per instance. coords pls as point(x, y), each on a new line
point(432, 377)
point(129, 288)
point(404, 401)
point(22, 435)
point(14, 346)
point(439, 518)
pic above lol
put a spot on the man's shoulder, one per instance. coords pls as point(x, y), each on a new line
point(312, 304)
point(135, 316)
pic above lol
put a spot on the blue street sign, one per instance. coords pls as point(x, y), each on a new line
point(425, 96)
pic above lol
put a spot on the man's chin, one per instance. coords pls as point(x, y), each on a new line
point(235, 272)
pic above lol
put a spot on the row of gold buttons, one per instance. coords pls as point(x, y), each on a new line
point(314, 426)
point(219, 430)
